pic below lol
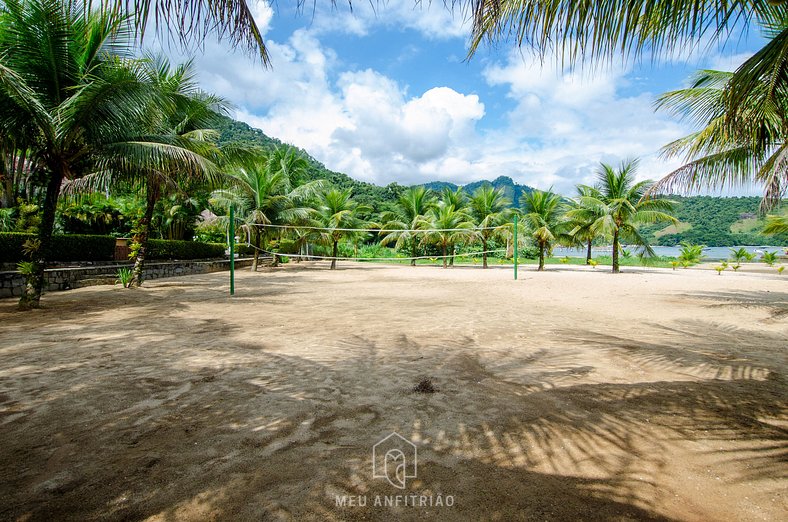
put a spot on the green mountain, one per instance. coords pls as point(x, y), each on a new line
point(712, 221)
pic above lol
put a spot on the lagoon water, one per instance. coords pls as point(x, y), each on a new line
point(710, 253)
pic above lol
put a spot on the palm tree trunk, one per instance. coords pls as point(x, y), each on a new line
point(541, 257)
point(616, 268)
point(143, 232)
point(444, 255)
point(588, 252)
point(484, 250)
point(413, 252)
point(256, 259)
point(334, 255)
point(34, 280)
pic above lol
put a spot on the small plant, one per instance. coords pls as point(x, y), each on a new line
point(691, 253)
point(593, 262)
point(685, 263)
point(720, 269)
point(626, 253)
point(724, 264)
point(26, 268)
point(770, 258)
point(674, 264)
point(780, 270)
point(736, 267)
point(741, 254)
point(564, 260)
point(124, 277)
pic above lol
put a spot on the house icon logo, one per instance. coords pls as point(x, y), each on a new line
point(394, 459)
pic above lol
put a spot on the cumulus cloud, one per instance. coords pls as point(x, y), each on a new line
point(553, 125)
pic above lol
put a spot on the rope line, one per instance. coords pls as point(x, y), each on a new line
point(377, 230)
point(374, 258)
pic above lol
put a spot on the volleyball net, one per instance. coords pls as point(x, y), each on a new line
point(310, 234)
point(463, 236)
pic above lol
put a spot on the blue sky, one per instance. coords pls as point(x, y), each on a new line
point(387, 95)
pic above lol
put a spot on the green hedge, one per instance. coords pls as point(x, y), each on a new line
point(72, 247)
point(166, 249)
point(78, 247)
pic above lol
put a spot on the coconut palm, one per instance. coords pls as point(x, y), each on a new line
point(163, 155)
point(544, 219)
point(595, 31)
point(263, 193)
point(448, 226)
point(489, 208)
point(459, 199)
point(337, 212)
point(581, 219)
point(620, 207)
point(193, 20)
point(739, 255)
point(690, 254)
point(776, 225)
point(728, 152)
point(67, 93)
point(400, 227)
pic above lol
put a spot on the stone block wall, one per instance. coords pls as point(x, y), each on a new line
point(12, 282)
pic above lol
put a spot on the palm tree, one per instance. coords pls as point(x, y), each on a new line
point(263, 192)
point(193, 20)
point(163, 155)
point(336, 213)
point(68, 95)
point(595, 31)
point(740, 254)
point(582, 218)
point(447, 227)
point(620, 207)
point(490, 210)
point(402, 225)
point(543, 216)
point(776, 225)
point(728, 152)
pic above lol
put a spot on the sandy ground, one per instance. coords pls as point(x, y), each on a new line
point(572, 394)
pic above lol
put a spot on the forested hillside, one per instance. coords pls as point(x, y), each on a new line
point(712, 221)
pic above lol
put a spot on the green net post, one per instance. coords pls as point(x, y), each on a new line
point(515, 247)
point(232, 251)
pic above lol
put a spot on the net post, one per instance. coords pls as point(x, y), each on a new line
point(515, 247)
point(232, 251)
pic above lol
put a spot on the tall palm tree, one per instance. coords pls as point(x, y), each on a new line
point(337, 212)
point(543, 216)
point(597, 30)
point(263, 193)
point(193, 20)
point(401, 226)
point(180, 131)
point(618, 206)
point(67, 93)
point(489, 208)
point(459, 199)
point(728, 152)
point(582, 218)
point(447, 227)
point(776, 226)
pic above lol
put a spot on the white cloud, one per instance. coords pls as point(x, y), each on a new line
point(557, 127)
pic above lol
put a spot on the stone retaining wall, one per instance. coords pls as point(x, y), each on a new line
point(11, 282)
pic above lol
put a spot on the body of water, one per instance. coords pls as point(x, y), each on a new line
point(710, 253)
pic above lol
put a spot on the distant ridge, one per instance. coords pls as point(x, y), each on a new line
point(712, 221)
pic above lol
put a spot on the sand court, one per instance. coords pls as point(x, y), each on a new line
point(574, 393)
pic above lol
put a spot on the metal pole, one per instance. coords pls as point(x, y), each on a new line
point(232, 251)
point(515, 247)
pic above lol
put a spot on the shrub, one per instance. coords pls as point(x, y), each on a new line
point(75, 247)
point(170, 249)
